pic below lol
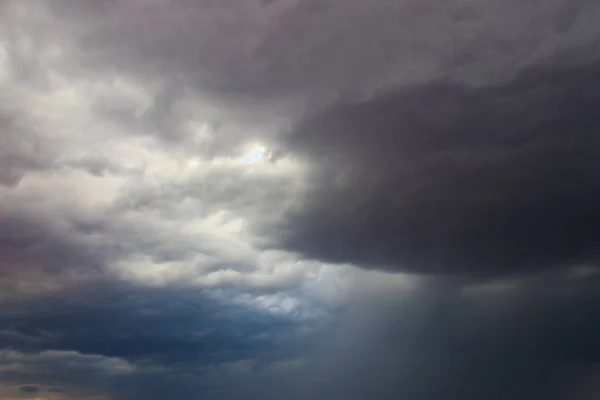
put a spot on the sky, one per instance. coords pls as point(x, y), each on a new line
point(299, 199)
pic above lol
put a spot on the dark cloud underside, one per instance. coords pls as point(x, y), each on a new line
point(444, 178)
point(162, 325)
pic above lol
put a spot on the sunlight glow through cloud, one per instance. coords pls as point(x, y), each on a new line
point(254, 155)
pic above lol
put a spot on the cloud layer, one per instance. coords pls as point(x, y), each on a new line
point(443, 178)
point(197, 199)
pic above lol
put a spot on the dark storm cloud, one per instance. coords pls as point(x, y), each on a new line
point(444, 178)
point(332, 48)
point(126, 274)
point(160, 325)
point(536, 340)
point(125, 341)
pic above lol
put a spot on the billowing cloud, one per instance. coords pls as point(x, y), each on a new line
point(107, 338)
point(194, 196)
point(443, 178)
point(263, 48)
point(125, 251)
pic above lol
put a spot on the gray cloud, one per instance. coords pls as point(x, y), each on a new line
point(88, 374)
point(151, 150)
point(22, 150)
point(443, 178)
point(328, 46)
point(36, 253)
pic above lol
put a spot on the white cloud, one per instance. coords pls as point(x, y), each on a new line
point(165, 185)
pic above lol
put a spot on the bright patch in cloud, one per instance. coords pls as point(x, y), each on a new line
point(255, 154)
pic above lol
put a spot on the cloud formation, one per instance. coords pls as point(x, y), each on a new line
point(443, 178)
point(196, 198)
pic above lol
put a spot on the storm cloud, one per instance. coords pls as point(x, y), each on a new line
point(299, 199)
point(445, 178)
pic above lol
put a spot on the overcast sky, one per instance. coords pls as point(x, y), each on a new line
point(299, 199)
